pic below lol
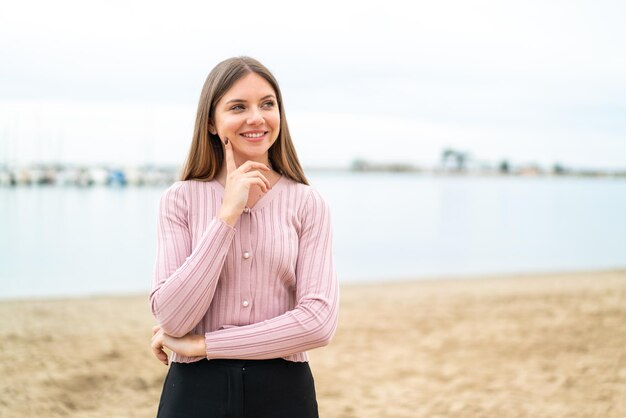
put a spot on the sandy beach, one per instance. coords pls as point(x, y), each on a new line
point(517, 346)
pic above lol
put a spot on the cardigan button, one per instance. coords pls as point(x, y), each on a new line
point(246, 210)
point(245, 303)
point(246, 255)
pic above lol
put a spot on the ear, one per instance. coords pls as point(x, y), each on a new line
point(212, 128)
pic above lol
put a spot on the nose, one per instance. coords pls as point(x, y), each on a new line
point(255, 117)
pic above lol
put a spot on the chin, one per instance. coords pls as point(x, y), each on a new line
point(251, 155)
point(253, 151)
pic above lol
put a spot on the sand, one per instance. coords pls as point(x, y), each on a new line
point(517, 346)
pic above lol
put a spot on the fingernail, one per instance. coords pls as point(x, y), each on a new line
point(226, 141)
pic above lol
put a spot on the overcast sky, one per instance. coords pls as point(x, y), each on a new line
point(118, 81)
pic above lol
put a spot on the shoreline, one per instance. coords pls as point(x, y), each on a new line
point(40, 174)
point(540, 345)
point(470, 278)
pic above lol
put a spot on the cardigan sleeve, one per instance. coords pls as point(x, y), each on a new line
point(313, 320)
point(184, 278)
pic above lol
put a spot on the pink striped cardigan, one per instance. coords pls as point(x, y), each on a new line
point(264, 289)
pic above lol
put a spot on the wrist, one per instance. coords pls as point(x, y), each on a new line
point(230, 220)
point(200, 346)
point(229, 214)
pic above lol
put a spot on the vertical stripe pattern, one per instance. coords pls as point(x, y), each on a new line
point(265, 288)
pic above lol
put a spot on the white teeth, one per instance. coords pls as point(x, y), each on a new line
point(257, 135)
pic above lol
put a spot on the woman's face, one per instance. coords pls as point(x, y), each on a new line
point(249, 117)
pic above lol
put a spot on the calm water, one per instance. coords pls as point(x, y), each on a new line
point(66, 241)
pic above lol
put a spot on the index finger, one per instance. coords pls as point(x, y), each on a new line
point(160, 354)
point(228, 156)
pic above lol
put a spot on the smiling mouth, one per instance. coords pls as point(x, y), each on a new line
point(254, 135)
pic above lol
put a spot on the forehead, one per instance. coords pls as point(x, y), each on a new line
point(249, 87)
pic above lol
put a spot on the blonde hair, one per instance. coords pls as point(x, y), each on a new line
point(206, 154)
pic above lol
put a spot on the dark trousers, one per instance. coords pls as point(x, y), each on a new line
point(274, 388)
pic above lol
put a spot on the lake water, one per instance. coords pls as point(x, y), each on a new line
point(58, 241)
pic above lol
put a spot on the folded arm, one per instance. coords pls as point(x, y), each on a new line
point(313, 321)
point(185, 279)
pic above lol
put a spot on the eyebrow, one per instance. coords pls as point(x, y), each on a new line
point(241, 100)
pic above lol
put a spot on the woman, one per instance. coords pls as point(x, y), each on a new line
point(244, 279)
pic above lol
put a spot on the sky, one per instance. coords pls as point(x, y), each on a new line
point(117, 82)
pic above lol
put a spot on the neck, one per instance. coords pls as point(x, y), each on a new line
point(264, 159)
point(240, 160)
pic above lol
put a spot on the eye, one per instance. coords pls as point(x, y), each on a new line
point(237, 107)
point(269, 104)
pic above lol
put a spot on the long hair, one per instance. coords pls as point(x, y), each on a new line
point(206, 154)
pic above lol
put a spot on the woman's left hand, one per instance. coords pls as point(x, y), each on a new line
point(191, 345)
